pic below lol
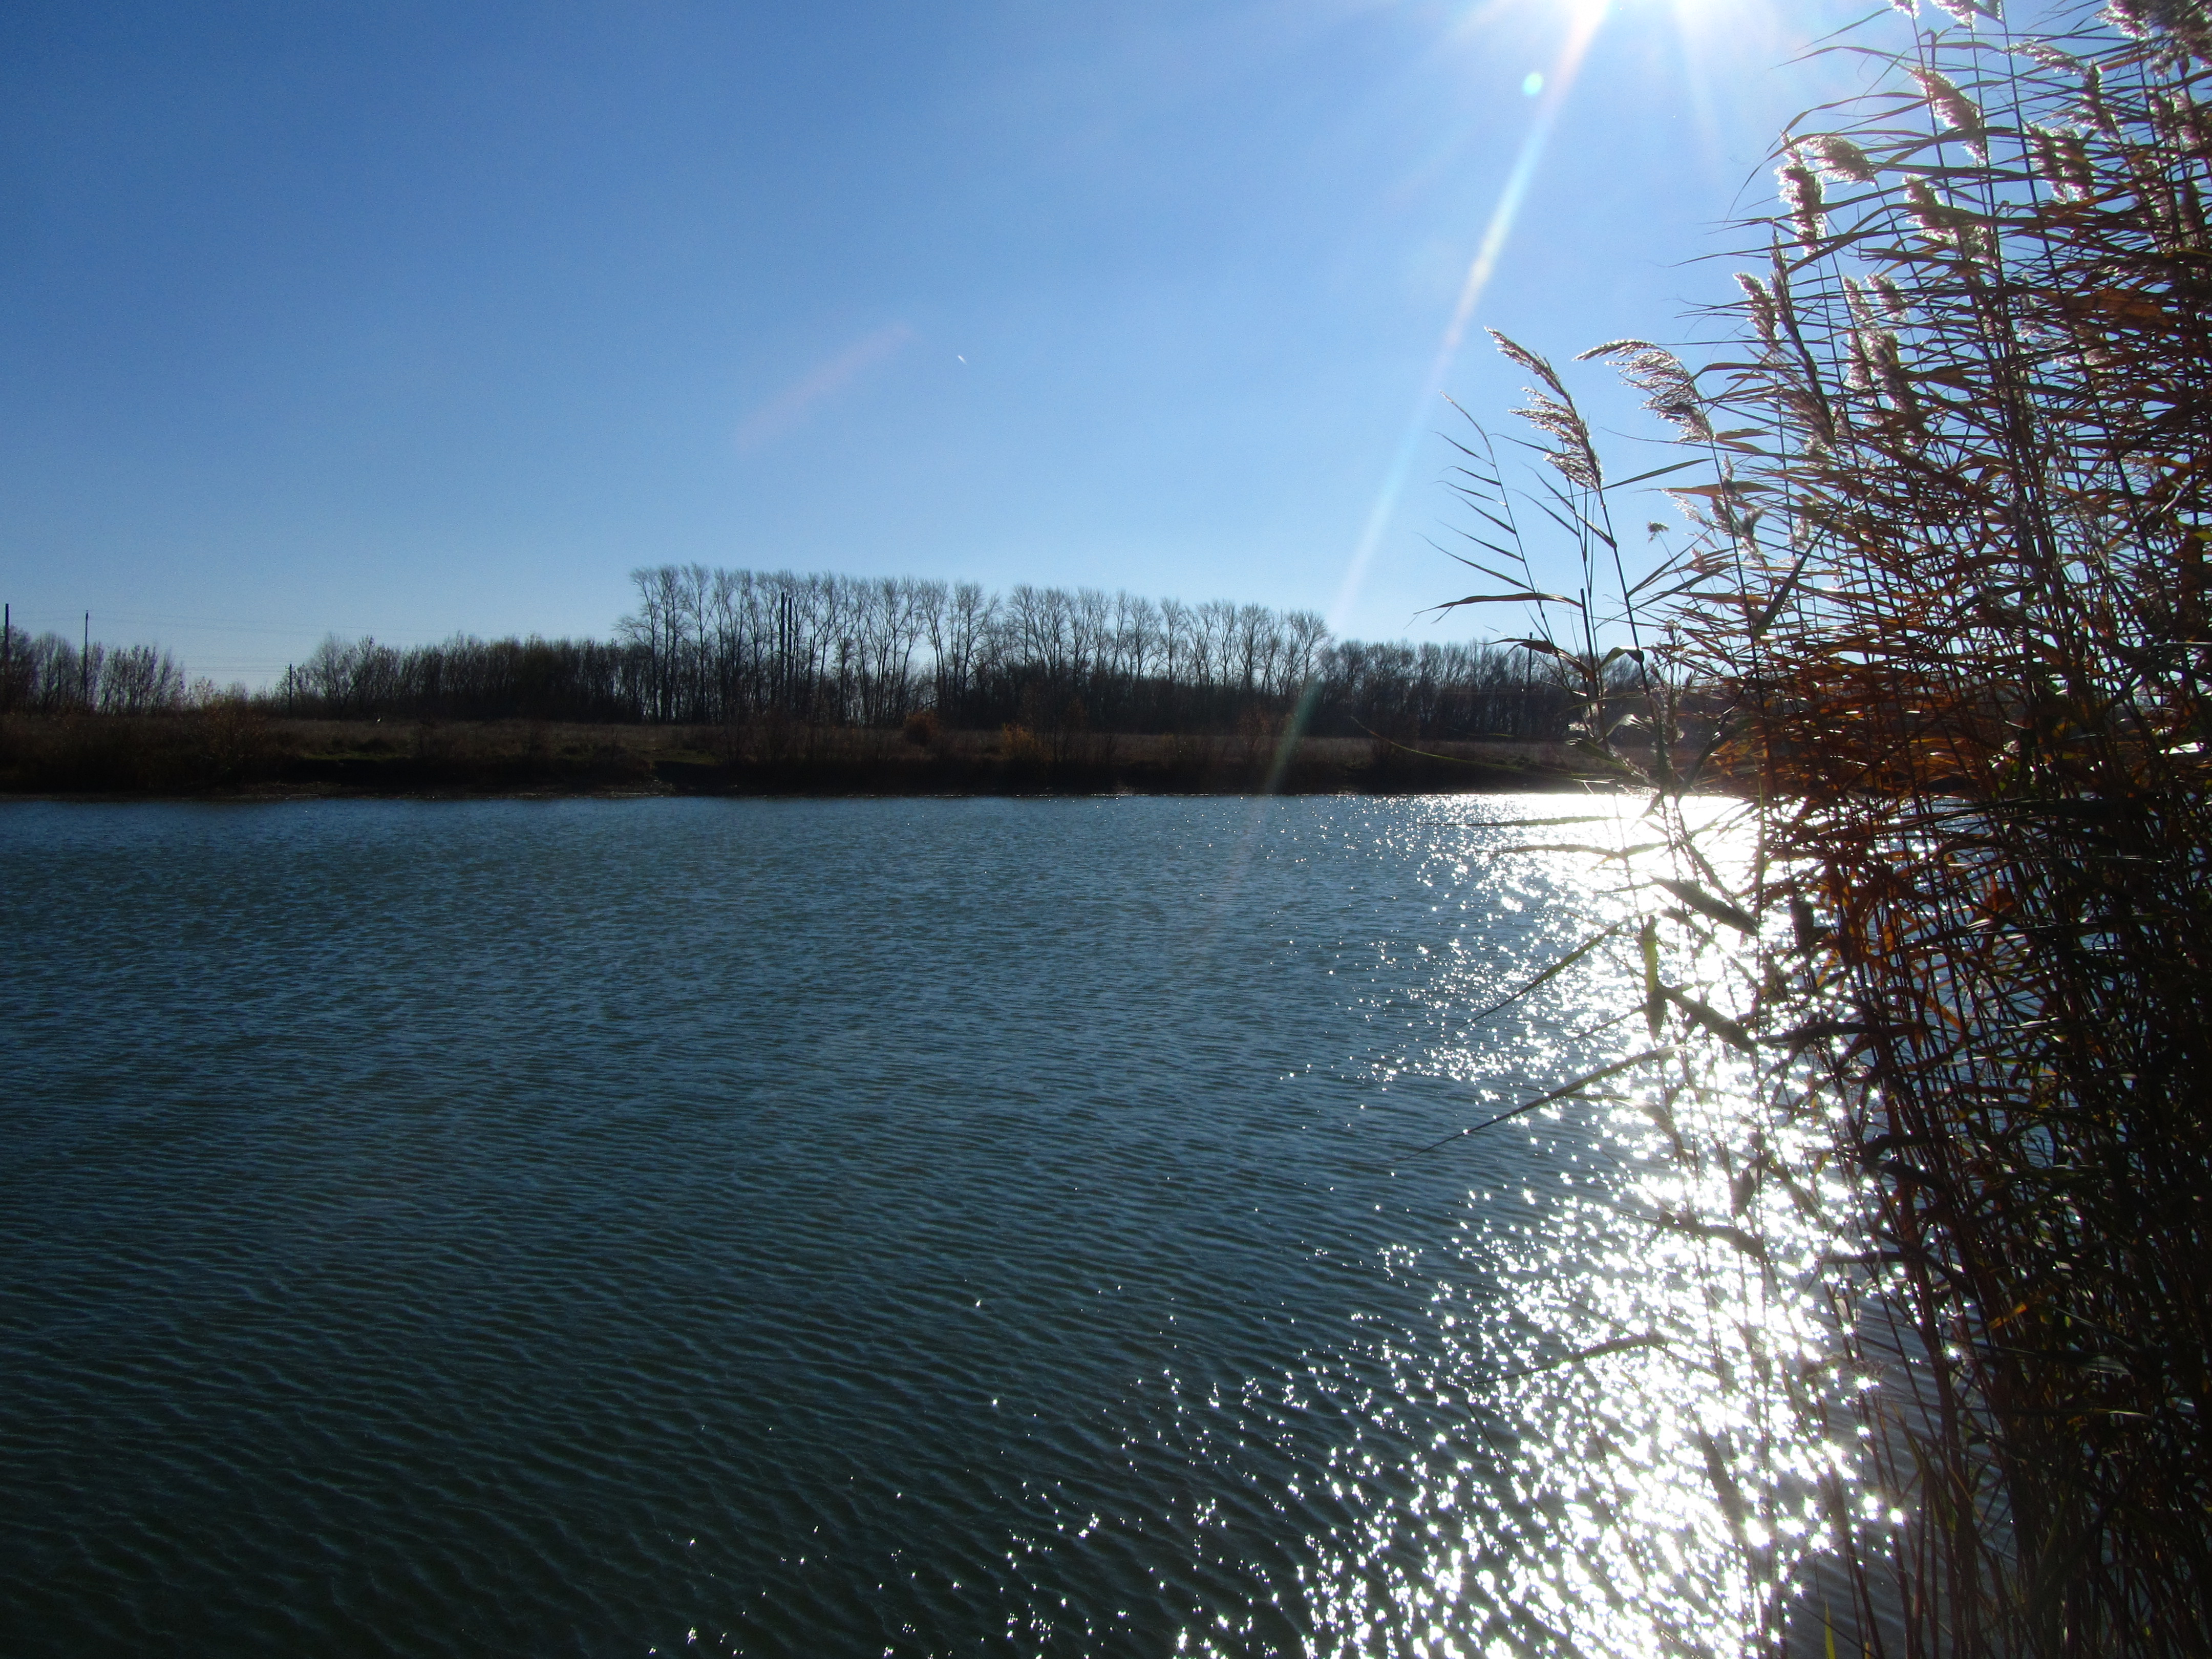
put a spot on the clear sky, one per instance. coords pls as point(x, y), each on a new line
point(411, 319)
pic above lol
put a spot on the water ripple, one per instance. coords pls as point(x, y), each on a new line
point(806, 1228)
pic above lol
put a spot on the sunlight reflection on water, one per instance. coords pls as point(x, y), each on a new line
point(1599, 1445)
point(843, 1227)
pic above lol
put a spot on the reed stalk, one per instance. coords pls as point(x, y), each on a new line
point(1948, 602)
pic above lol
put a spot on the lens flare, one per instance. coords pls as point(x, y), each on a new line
point(1554, 85)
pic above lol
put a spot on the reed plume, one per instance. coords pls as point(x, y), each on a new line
point(1968, 666)
point(1950, 603)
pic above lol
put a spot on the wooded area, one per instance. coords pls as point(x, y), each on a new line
point(722, 648)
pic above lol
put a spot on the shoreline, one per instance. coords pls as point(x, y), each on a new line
point(222, 757)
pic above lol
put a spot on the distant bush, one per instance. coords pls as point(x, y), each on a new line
point(1019, 746)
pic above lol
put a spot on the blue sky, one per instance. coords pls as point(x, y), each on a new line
point(411, 320)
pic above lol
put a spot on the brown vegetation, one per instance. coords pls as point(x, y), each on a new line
point(1952, 584)
point(1974, 674)
point(233, 749)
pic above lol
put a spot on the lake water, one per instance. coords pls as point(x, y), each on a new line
point(854, 1227)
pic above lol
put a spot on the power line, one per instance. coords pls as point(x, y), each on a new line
point(52, 622)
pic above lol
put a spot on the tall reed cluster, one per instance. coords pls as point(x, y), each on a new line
point(1969, 656)
point(1952, 589)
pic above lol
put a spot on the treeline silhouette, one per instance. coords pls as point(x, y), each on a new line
point(52, 675)
point(725, 648)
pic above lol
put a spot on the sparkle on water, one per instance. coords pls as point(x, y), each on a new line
point(883, 1226)
point(1604, 1438)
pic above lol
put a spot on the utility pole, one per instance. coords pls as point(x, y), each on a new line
point(784, 630)
point(84, 662)
point(6, 654)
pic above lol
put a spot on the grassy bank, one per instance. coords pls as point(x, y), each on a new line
point(230, 752)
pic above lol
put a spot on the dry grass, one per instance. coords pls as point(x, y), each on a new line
point(1952, 594)
point(234, 750)
point(1968, 660)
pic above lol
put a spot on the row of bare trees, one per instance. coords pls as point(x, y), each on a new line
point(730, 643)
point(49, 674)
point(716, 647)
point(468, 678)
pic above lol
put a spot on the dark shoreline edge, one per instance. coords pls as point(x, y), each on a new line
point(207, 758)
